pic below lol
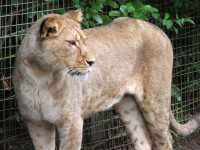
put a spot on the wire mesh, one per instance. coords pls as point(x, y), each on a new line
point(186, 77)
point(16, 16)
point(103, 131)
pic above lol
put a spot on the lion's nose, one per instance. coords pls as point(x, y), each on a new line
point(90, 62)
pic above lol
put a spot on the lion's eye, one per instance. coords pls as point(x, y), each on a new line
point(71, 42)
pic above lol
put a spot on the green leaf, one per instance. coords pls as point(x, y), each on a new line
point(178, 21)
point(156, 16)
point(85, 24)
point(176, 92)
point(114, 13)
point(139, 15)
point(77, 3)
point(188, 20)
point(112, 4)
point(175, 30)
point(59, 11)
point(92, 11)
point(92, 24)
point(130, 8)
point(123, 10)
point(177, 17)
point(149, 8)
point(181, 21)
point(167, 16)
point(96, 6)
point(106, 19)
point(98, 19)
point(168, 24)
point(87, 16)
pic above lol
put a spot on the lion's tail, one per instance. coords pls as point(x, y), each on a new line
point(188, 127)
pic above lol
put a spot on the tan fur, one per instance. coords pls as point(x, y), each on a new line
point(64, 74)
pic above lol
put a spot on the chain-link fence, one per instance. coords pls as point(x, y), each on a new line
point(104, 130)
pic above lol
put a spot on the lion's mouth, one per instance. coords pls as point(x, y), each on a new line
point(77, 71)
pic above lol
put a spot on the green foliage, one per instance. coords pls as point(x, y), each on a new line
point(176, 93)
point(98, 12)
point(182, 6)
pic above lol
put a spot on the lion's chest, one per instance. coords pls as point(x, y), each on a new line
point(36, 104)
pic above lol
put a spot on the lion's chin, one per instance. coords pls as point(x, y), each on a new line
point(79, 76)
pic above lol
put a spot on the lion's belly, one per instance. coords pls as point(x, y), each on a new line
point(99, 104)
point(109, 92)
point(101, 99)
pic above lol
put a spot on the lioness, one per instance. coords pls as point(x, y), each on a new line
point(64, 74)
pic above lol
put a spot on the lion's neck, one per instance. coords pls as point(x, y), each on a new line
point(62, 86)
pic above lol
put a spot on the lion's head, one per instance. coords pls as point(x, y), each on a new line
point(61, 45)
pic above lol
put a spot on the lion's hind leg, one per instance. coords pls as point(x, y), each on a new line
point(157, 122)
point(42, 135)
point(155, 105)
point(134, 123)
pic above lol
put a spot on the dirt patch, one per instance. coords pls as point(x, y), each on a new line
point(190, 143)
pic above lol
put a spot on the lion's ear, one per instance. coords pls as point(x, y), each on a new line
point(76, 15)
point(51, 27)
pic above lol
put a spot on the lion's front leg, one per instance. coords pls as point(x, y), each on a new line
point(70, 134)
point(42, 135)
